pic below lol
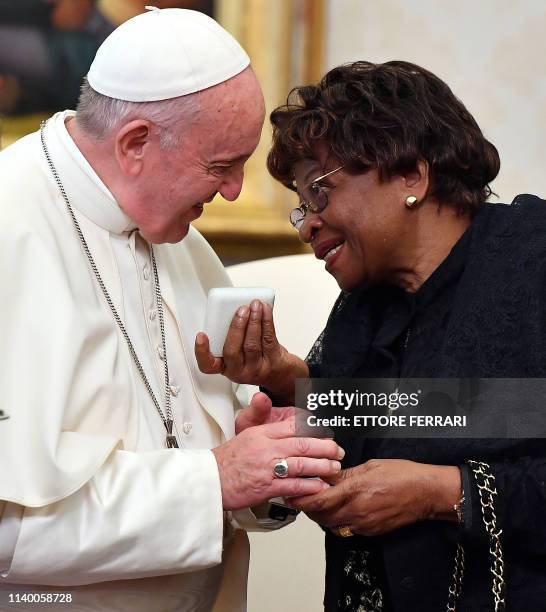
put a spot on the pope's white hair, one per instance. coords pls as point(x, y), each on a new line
point(99, 115)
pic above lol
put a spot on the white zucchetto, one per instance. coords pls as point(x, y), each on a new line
point(165, 53)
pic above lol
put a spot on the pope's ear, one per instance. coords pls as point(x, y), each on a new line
point(132, 142)
point(417, 181)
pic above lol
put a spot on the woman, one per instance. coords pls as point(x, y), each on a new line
point(393, 175)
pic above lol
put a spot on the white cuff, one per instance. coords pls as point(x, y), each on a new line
point(10, 525)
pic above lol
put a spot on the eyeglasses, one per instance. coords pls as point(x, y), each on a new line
point(315, 199)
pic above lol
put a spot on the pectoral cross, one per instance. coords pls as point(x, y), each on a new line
point(170, 440)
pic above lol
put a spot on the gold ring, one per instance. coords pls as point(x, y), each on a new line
point(344, 531)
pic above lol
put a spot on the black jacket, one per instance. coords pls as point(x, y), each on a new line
point(482, 313)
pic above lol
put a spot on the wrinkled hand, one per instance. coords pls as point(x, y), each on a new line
point(252, 353)
point(245, 464)
point(384, 494)
point(261, 411)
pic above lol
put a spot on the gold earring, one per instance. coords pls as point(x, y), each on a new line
point(411, 201)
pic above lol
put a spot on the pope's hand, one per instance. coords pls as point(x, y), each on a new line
point(261, 411)
point(246, 462)
point(252, 354)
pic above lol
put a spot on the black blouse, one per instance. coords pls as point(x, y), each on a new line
point(482, 313)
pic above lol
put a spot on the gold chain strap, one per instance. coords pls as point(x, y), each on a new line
point(485, 482)
point(458, 572)
point(486, 487)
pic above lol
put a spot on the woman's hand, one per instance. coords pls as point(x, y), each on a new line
point(384, 494)
point(252, 354)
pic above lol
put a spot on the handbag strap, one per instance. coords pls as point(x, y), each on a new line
point(485, 482)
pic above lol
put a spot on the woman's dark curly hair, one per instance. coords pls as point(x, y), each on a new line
point(387, 116)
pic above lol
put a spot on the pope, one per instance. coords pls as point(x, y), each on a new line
point(126, 481)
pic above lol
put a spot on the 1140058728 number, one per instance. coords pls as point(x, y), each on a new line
point(40, 598)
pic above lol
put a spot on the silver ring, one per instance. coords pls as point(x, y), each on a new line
point(280, 469)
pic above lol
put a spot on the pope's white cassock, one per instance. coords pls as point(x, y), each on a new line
point(91, 502)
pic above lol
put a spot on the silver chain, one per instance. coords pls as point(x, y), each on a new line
point(167, 418)
point(485, 482)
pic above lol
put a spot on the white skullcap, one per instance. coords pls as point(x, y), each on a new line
point(164, 54)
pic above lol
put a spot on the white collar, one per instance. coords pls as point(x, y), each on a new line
point(85, 190)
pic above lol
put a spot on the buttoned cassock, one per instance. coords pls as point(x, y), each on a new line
point(91, 494)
